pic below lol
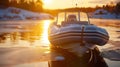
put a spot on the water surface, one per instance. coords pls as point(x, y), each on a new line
point(25, 43)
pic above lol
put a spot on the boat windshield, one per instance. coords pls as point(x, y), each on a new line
point(72, 17)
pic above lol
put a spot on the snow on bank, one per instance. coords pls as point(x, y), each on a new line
point(12, 13)
point(103, 14)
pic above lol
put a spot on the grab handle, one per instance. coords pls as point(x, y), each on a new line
point(82, 34)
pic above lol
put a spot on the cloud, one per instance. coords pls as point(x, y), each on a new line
point(98, 1)
point(116, 1)
point(103, 1)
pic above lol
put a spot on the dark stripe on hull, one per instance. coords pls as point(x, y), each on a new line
point(76, 39)
point(79, 35)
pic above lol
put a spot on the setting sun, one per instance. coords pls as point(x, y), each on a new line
point(47, 1)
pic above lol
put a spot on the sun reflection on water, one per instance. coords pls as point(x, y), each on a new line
point(45, 32)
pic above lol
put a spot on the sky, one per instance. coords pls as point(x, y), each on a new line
point(61, 4)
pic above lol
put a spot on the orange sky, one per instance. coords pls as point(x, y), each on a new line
point(61, 4)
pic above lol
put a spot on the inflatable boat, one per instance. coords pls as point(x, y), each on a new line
point(75, 27)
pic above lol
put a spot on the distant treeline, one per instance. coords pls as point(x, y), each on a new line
point(112, 8)
point(32, 5)
point(37, 6)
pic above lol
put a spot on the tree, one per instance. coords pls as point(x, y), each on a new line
point(39, 5)
point(117, 8)
point(32, 5)
point(21, 1)
point(4, 3)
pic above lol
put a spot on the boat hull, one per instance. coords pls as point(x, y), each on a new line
point(73, 34)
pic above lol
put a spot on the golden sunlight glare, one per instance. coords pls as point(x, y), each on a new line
point(45, 33)
point(47, 1)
